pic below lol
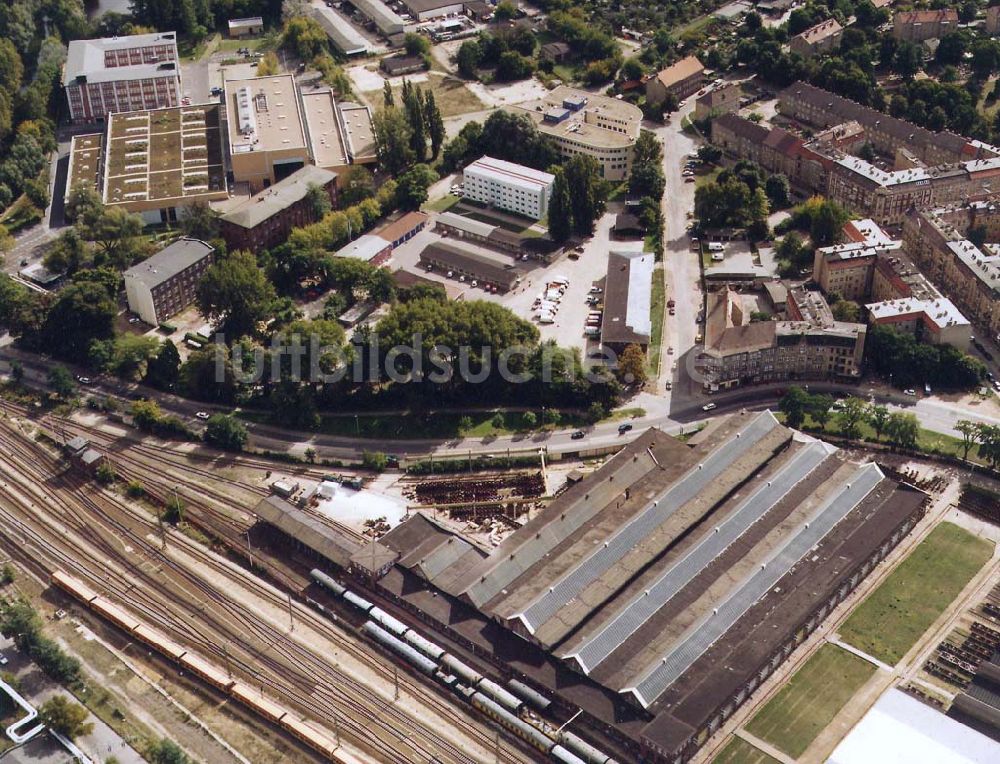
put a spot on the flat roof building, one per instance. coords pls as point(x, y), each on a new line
point(166, 283)
point(326, 136)
point(264, 220)
point(359, 133)
point(935, 321)
point(508, 186)
point(579, 122)
point(424, 10)
point(267, 137)
point(386, 20)
point(114, 74)
point(247, 27)
point(157, 162)
point(627, 296)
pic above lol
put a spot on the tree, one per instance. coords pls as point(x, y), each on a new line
point(529, 420)
point(435, 123)
point(388, 99)
point(237, 292)
point(498, 421)
point(115, 231)
point(68, 254)
point(989, 444)
point(907, 59)
point(820, 409)
point(850, 417)
point(200, 221)
point(777, 189)
point(827, 223)
point(61, 381)
point(902, 429)
point(226, 432)
point(411, 191)
point(560, 209)
point(413, 105)
point(355, 184)
point(878, 418)
point(318, 201)
point(587, 191)
point(632, 365)
point(167, 752)
point(268, 65)
point(65, 717)
point(83, 205)
point(794, 404)
point(468, 58)
point(951, 48)
point(163, 369)
point(393, 136)
point(970, 435)
point(416, 44)
point(513, 66)
point(464, 424)
point(374, 460)
point(305, 37)
point(846, 310)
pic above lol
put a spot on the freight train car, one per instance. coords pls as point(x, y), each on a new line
point(327, 582)
point(564, 756)
point(583, 749)
point(535, 699)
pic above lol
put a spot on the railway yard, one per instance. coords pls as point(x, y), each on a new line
point(624, 610)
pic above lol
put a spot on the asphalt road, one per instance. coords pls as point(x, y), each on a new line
point(933, 414)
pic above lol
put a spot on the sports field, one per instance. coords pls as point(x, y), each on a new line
point(903, 607)
point(793, 718)
point(741, 752)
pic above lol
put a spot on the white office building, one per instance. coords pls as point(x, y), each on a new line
point(509, 186)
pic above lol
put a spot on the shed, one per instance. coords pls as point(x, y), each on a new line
point(247, 27)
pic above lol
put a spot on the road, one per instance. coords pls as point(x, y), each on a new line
point(933, 414)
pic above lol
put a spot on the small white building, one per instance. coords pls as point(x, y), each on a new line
point(509, 186)
point(248, 27)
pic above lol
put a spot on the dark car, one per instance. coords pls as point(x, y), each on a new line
point(578, 434)
point(623, 428)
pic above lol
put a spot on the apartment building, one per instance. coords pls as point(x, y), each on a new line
point(969, 276)
point(166, 283)
point(812, 345)
point(775, 150)
point(917, 26)
point(267, 135)
point(822, 109)
point(821, 38)
point(264, 220)
point(724, 99)
point(579, 122)
point(114, 74)
point(935, 322)
point(679, 80)
point(508, 186)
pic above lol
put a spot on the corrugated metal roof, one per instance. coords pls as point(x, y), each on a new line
point(658, 677)
point(642, 524)
point(614, 633)
point(564, 517)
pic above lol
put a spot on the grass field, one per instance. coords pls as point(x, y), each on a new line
point(741, 752)
point(450, 94)
point(656, 317)
point(892, 619)
point(793, 718)
point(443, 204)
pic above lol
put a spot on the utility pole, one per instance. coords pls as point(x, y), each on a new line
point(179, 506)
point(496, 739)
point(229, 670)
point(291, 618)
point(249, 549)
point(163, 532)
point(336, 730)
point(395, 679)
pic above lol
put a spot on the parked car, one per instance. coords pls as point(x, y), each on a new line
point(623, 428)
point(910, 391)
point(578, 435)
point(203, 415)
point(689, 179)
point(708, 407)
point(83, 380)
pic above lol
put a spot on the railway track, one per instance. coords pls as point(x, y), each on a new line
point(206, 618)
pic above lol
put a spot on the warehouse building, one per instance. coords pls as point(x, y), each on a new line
point(166, 283)
point(341, 32)
point(459, 260)
point(326, 135)
point(264, 220)
point(386, 20)
point(248, 27)
point(359, 133)
point(424, 10)
point(121, 74)
point(627, 295)
point(267, 137)
point(508, 186)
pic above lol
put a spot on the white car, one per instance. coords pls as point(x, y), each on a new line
point(910, 392)
point(83, 380)
point(708, 407)
point(203, 415)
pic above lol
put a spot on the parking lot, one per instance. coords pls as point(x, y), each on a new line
point(582, 273)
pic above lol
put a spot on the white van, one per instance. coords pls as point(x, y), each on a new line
point(714, 246)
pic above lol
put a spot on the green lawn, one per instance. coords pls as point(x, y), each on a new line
point(656, 316)
point(793, 718)
point(443, 204)
point(739, 751)
point(892, 619)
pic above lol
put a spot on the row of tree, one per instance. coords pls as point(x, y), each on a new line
point(899, 428)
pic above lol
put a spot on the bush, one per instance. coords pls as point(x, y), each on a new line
point(375, 460)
